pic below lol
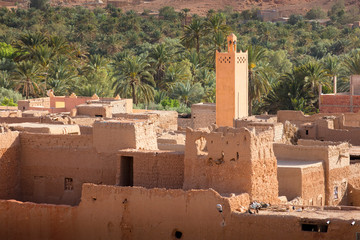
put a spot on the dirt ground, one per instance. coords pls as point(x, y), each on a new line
point(286, 7)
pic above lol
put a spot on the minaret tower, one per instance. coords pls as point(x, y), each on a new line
point(231, 84)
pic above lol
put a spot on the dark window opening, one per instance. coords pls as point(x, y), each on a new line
point(68, 184)
point(178, 234)
point(307, 132)
point(237, 156)
point(336, 192)
point(23, 108)
point(126, 171)
point(314, 228)
point(98, 115)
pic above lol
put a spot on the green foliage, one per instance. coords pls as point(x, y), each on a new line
point(39, 4)
point(172, 103)
point(6, 51)
point(167, 62)
point(10, 95)
point(315, 13)
point(8, 102)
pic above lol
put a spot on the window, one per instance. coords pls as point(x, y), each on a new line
point(68, 184)
point(336, 192)
point(314, 227)
point(307, 132)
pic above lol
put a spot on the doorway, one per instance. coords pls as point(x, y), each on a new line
point(126, 171)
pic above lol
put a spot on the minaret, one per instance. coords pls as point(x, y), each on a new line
point(231, 84)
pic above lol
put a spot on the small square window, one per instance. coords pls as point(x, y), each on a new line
point(336, 192)
point(68, 184)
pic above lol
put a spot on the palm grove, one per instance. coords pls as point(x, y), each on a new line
point(167, 62)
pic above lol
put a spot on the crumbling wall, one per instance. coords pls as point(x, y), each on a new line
point(339, 135)
point(313, 185)
point(264, 183)
point(335, 158)
point(231, 160)
point(298, 117)
point(54, 167)
point(353, 195)
point(30, 221)
point(9, 165)
point(111, 136)
point(123, 213)
point(183, 123)
point(155, 169)
point(94, 110)
point(203, 115)
point(121, 106)
point(136, 213)
point(162, 120)
point(277, 128)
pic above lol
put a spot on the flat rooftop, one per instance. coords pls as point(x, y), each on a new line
point(314, 213)
point(297, 164)
point(45, 128)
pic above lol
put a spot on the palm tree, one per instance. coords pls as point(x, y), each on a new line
point(315, 75)
point(27, 75)
point(353, 64)
point(133, 75)
point(332, 67)
point(258, 81)
point(185, 11)
point(159, 56)
point(216, 28)
point(26, 45)
point(192, 34)
point(176, 72)
point(187, 92)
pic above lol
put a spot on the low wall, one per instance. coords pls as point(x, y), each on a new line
point(183, 123)
point(54, 167)
point(9, 165)
point(339, 135)
point(158, 169)
point(110, 212)
point(298, 117)
point(203, 115)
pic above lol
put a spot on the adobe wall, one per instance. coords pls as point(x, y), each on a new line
point(231, 160)
point(46, 160)
point(19, 119)
point(277, 128)
point(313, 185)
point(290, 182)
point(110, 212)
point(155, 169)
point(335, 158)
point(31, 221)
point(122, 213)
point(289, 226)
point(183, 123)
point(9, 165)
point(298, 117)
point(339, 135)
point(137, 213)
point(94, 110)
point(10, 113)
point(121, 106)
point(203, 115)
point(164, 120)
point(33, 103)
point(353, 195)
point(111, 136)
